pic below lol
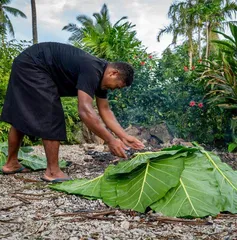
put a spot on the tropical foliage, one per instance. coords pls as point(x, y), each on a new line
point(5, 23)
point(102, 38)
point(164, 88)
point(220, 77)
point(177, 181)
point(198, 18)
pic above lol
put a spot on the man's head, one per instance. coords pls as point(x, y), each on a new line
point(117, 75)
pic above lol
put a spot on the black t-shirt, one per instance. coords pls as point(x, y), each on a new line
point(70, 68)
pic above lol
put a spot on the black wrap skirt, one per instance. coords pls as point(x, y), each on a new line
point(32, 104)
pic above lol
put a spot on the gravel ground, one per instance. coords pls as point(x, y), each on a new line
point(30, 210)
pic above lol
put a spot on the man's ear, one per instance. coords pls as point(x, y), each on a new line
point(114, 72)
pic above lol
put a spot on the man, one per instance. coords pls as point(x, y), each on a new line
point(40, 76)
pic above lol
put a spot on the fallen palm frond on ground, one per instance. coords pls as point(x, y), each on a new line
point(176, 181)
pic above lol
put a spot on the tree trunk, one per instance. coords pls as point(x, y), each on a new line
point(190, 49)
point(207, 40)
point(190, 53)
point(34, 22)
point(199, 43)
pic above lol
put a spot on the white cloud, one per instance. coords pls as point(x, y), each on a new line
point(148, 16)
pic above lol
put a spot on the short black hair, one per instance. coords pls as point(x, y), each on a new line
point(126, 71)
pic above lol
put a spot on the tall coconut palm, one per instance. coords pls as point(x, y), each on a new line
point(183, 24)
point(34, 21)
point(5, 22)
point(187, 16)
point(214, 14)
point(102, 38)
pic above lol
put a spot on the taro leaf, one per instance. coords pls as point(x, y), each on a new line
point(36, 162)
point(22, 150)
point(30, 161)
point(110, 181)
point(108, 188)
point(88, 188)
point(227, 180)
point(147, 184)
point(180, 148)
point(140, 158)
point(196, 195)
point(27, 149)
point(3, 159)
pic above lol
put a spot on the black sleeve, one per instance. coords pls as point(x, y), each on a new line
point(88, 80)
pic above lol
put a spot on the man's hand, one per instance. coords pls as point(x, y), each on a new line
point(117, 147)
point(132, 142)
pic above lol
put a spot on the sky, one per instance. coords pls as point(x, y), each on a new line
point(149, 16)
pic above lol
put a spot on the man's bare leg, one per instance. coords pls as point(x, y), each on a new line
point(14, 142)
point(53, 171)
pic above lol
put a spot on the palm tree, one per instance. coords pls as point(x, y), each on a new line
point(5, 22)
point(213, 14)
point(102, 38)
point(187, 16)
point(183, 24)
point(34, 22)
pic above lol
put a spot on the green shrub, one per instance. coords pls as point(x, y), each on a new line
point(70, 107)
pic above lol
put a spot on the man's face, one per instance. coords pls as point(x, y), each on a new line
point(115, 84)
point(111, 80)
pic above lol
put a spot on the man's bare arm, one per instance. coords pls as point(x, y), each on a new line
point(92, 121)
point(111, 122)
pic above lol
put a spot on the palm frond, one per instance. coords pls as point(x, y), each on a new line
point(9, 26)
point(15, 12)
point(71, 27)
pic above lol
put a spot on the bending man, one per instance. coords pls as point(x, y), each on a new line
point(40, 76)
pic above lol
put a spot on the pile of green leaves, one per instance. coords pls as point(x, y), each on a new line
point(30, 161)
point(177, 181)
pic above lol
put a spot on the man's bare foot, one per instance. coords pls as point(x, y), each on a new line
point(14, 168)
point(49, 175)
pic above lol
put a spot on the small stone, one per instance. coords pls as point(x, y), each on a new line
point(88, 158)
point(137, 219)
point(125, 225)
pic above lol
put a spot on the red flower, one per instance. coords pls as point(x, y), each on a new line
point(185, 68)
point(142, 63)
point(150, 56)
point(200, 105)
point(193, 67)
point(192, 104)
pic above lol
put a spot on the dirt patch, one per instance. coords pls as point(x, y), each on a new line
point(30, 210)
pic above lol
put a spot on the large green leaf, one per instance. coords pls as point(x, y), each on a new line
point(149, 183)
point(84, 187)
point(36, 162)
point(197, 193)
point(140, 158)
point(190, 182)
point(109, 188)
point(227, 181)
point(30, 161)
